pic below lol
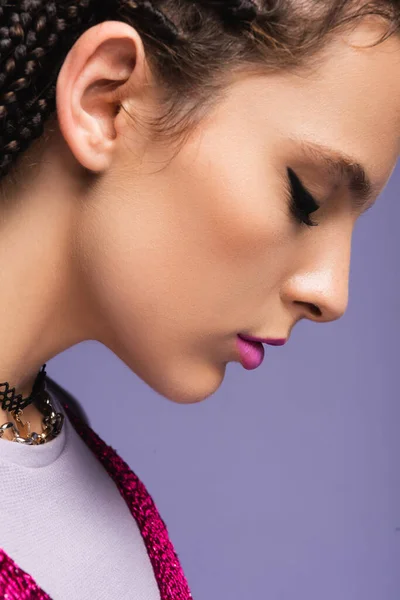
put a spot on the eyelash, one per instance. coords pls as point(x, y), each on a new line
point(302, 203)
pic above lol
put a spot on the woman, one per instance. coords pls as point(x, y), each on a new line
point(184, 171)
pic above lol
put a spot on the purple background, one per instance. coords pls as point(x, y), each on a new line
point(285, 484)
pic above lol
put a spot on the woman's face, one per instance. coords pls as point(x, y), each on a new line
point(183, 252)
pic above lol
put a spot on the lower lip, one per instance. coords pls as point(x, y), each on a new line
point(251, 353)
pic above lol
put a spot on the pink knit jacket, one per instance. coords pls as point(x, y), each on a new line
point(16, 584)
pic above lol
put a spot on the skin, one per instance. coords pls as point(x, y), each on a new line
point(166, 256)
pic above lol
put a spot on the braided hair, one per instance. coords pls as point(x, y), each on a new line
point(189, 44)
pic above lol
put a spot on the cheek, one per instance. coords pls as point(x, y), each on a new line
point(188, 246)
point(232, 206)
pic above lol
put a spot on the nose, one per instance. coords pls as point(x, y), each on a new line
point(319, 290)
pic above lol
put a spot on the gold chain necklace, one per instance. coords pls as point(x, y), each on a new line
point(14, 404)
point(52, 423)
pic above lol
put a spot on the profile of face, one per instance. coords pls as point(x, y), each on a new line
point(181, 248)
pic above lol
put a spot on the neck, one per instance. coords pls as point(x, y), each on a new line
point(42, 310)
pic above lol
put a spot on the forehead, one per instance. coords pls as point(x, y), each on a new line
point(354, 95)
point(347, 99)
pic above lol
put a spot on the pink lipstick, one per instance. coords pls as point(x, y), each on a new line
point(270, 342)
point(252, 351)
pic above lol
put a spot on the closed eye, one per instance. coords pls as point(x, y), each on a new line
point(302, 202)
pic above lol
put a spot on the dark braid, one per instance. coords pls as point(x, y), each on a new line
point(237, 12)
point(190, 44)
point(38, 31)
point(158, 24)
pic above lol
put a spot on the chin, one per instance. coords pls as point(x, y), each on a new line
point(189, 385)
point(183, 380)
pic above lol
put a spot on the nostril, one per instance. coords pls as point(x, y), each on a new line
point(313, 308)
point(316, 311)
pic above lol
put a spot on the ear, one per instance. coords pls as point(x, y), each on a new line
point(102, 60)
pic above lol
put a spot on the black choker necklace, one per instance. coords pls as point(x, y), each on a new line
point(13, 402)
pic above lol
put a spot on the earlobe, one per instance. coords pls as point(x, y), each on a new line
point(102, 61)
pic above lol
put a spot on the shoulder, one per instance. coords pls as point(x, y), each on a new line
point(64, 396)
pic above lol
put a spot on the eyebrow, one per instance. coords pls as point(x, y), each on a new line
point(343, 166)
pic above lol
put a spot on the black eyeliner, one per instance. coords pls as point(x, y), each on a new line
point(303, 203)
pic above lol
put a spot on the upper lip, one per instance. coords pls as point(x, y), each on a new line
point(269, 341)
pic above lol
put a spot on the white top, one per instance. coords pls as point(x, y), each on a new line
point(63, 521)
